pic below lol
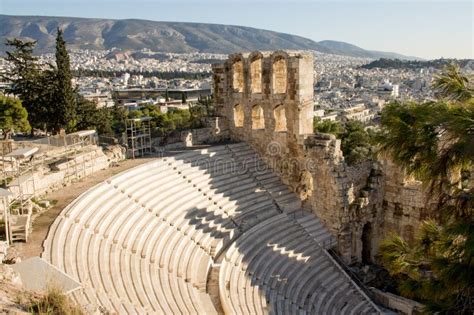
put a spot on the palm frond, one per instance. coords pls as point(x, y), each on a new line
point(451, 85)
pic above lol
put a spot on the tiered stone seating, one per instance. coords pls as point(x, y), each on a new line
point(277, 267)
point(144, 241)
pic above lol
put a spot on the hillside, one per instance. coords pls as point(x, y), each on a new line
point(175, 37)
point(383, 63)
point(342, 48)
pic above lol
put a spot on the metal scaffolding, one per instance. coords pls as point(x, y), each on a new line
point(19, 177)
point(20, 159)
point(18, 174)
point(138, 136)
point(5, 195)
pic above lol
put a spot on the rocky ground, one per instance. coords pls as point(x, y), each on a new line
point(11, 292)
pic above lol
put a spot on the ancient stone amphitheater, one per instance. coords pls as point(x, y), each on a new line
point(200, 232)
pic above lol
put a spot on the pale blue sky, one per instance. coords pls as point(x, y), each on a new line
point(423, 28)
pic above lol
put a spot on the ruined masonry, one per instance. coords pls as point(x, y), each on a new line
point(266, 100)
point(237, 228)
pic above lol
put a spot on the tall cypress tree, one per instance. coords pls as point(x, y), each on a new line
point(64, 107)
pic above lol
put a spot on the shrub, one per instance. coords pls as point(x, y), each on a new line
point(53, 301)
point(328, 126)
point(356, 142)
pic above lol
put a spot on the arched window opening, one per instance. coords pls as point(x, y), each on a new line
point(367, 243)
point(258, 121)
point(279, 76)
point(256, 75)
point(238, 76)
point(238, 115)
point(280, 118)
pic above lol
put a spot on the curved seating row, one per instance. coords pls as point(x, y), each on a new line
point(145, 240)
point(134, 259)
point(277, 267)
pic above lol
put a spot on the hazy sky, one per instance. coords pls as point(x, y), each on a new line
point(423, 28)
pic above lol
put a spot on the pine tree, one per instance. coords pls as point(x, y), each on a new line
point(119, 118)
point(91, 117)
point(28, 82)
point(13, 116)
point(64, 94)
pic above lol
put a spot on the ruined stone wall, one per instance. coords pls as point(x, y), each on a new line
point(255, 101)
point(346, 198)
point(266, 99)
point(405, 202)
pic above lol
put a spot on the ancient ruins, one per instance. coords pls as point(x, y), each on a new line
point(266, 99)
point(245, 226)
point(201, 232)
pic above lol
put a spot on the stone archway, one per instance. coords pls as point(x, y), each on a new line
point(280, 118)
point(238, 116)
point(279, 78)
point(256, 75)
point(258, 120)
point(238, 76)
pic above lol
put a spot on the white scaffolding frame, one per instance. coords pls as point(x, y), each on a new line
point(5, 195)
point(139, 136)
point(19, 166)
point(21, 175)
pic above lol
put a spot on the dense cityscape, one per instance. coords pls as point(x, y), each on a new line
point(343, 89)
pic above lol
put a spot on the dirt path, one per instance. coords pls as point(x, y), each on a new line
point(64, 197)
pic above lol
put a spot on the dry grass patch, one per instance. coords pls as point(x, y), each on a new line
point(53, 301)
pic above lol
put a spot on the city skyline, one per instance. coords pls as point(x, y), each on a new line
point(423, 29)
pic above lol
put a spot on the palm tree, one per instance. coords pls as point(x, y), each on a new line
point(452, 85)
point(435, 142)
point(438, 270)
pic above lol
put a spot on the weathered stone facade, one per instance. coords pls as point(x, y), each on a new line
point(266, 99)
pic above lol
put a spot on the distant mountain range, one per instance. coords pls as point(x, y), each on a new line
point(177, 37)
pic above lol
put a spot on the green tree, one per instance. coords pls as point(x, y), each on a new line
point(437, 269)
point(64, 98)
point(119, 116)
point(91, 117)
point(328, 126)
point(432, 141)
point(356, 143)
point(206, 102)
point(13, 116)
point(28, 82)
point(435, 142)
